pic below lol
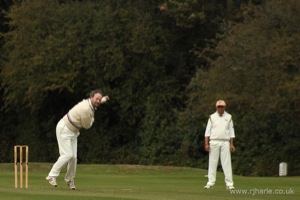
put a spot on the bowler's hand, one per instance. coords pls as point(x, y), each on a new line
point(105, 99)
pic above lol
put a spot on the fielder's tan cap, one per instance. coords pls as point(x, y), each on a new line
point(220, 103)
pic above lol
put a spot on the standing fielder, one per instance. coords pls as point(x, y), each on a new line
point(219, 137)
point(67, 132)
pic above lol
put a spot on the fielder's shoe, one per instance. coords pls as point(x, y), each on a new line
point(51, 180)
point(230, 187)
point(71, 184)
point(208, 187)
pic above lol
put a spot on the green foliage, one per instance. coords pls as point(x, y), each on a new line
point(159, 135)
point(39, 47)
point(56, 52)
point(144, 57)
point(256, 72)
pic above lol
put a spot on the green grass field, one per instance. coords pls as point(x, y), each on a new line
point(131, 182)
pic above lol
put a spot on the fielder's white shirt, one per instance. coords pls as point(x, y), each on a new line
point(220, 127)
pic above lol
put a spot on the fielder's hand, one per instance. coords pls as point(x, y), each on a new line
point(207, 147)
point(232, 149)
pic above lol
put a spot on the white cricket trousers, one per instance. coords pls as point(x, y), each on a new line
point(67, 144)
point(219, 149)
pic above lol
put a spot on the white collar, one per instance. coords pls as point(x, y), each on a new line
point(91, 106)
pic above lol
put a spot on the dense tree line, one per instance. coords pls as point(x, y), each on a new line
point(164, 64)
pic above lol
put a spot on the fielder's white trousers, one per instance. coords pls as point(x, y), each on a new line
point(219, 149)
point(67, 144)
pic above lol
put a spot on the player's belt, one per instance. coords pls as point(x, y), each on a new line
point(72, 122)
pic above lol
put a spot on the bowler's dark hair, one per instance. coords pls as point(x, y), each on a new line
point(92, 93)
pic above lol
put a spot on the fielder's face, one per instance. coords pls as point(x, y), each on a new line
point(96, 99)
point(220, 109)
